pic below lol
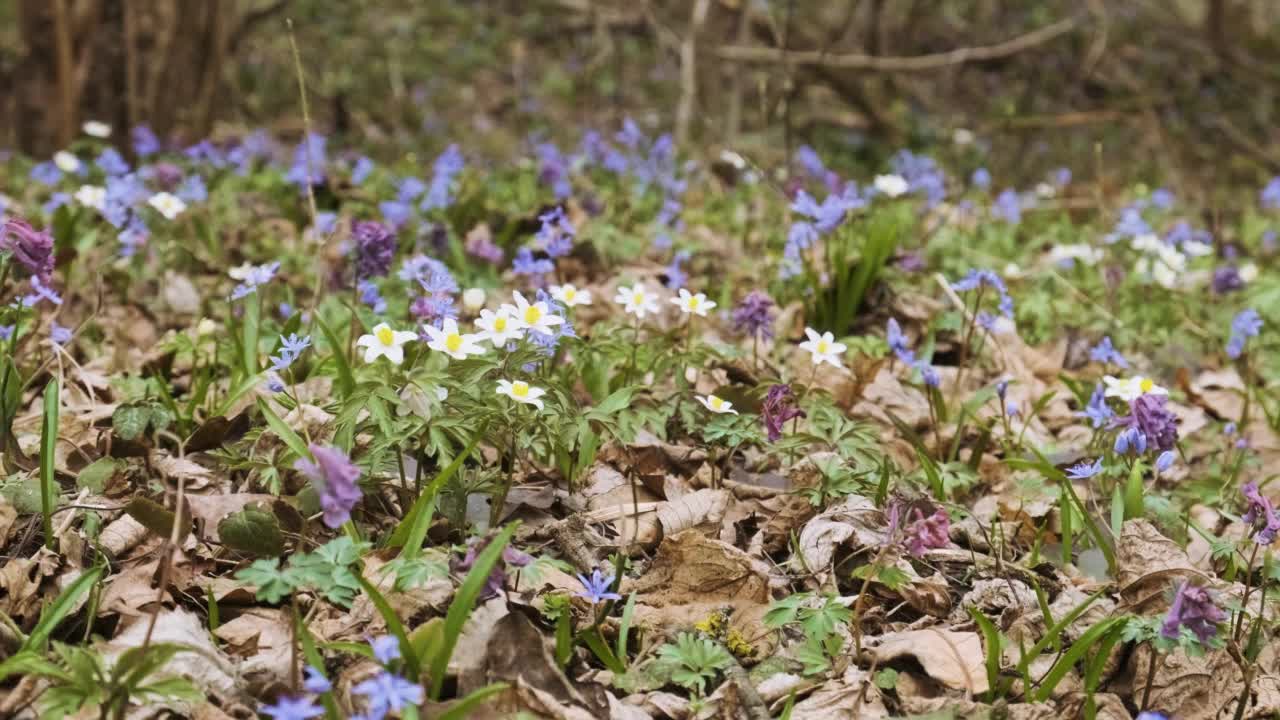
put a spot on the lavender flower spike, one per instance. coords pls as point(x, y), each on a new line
point(334, 476)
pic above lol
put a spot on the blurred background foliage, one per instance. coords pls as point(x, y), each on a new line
point(1184, 91)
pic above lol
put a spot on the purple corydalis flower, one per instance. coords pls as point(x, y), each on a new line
point(1227, 279)
point(596, 587)
point(1166, 460)
point(511, 557)
point(334, 476)
point(1153, 420)
point(1260, 515)
point(31, 248)
point(1106, 353)
point(778, 407)
point(481, 246)
point(898, 342)
point(1192, 608)
point(753, 315)
point(375, 247)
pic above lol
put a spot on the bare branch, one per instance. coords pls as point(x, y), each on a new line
point(918, 63)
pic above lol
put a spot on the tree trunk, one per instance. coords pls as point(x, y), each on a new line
point(121, 62)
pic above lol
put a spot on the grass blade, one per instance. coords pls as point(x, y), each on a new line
point(464, 601)
point(462, 708)
point(412, 528)
point(394, 626)
point(282, 429)
point(48, 441)
point(346, 380)
point(60, 608)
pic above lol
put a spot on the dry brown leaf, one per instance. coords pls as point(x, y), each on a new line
point(1148, 562)
point(852, 697)
point(1189, 688)
point(261, 641)
point(205, 665)
point(855, 517)
point(954, 659)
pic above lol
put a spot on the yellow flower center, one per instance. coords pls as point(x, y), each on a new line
point(520, 388)
point(637, 297)
point(1146, 385)
point(715, 402)
point(532, 314)
point(385, 336)
point(570, 294)
point(453, 341)
point(500, 323)
point(822, 347)
point(693, 303)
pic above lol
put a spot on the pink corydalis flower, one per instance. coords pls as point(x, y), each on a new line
point(916, 531)
point(334, 476)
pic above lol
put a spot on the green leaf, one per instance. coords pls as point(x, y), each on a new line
point(253, 530)
point(462, 709)
point(346, 381)
point(887, 679)
point(411, 660)
point(1075, 653)
point(95, 476)
point(151, 515)
point(592, 639)
point(994, 649)
point(412, 528)
point(249, 333)
point(48, 442)
point(464, 601)
point(284, 432)
point(130, 421)
point(273, 586)
point(57, 611)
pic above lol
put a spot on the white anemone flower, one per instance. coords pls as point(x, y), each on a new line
point(637, 300)
point(521, 392)
point(167, 204)
point(498, 327)
point(1129, 389)
point(692, 304)
point(92, 196)
point(449, 341)
point(66, 162)
point(891, 185)
point(823, 348)
point(570, 295)
point(96, 128)
point(385, 342)
point(716, 405)
point(535, 316)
